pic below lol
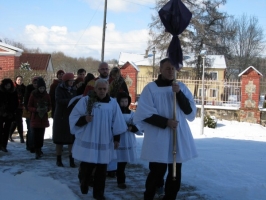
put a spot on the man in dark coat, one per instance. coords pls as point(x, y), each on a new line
point(8, 107)
point(56, 82)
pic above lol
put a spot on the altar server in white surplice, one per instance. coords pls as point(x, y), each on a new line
point(155, 116)
point(97, 122)
point(126, 152)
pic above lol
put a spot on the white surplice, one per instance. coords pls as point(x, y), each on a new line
point(158, 142)
point(94, 141)
point(126, 151)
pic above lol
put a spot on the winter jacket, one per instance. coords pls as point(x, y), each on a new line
point(29, 89)
point(36, 100)
point(21, 92)
point(8, 101)
point(61, 131)
point(53, 87)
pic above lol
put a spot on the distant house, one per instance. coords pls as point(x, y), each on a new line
point(143, 62)
point(215, 70)
point(215, 67)
point(12, 57)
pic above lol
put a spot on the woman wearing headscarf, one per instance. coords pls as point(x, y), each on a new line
point(39, 105)
point(61, 132)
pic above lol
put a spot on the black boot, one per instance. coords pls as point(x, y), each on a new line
point(71, 161)
point(21, 138)
point(59, 161)
point(37, 153)
point(83, 180)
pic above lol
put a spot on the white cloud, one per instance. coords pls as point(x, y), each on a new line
point(84, 43)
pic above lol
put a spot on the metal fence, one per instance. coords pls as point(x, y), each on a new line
point(217, 93)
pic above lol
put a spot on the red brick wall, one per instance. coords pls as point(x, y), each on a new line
point(254, 77)
point(7, 65)
point(250, 79)
point(130, 73)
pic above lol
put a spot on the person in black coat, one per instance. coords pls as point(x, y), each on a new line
point(88, 78)
point(18, 123)
point(8, 108)
point(61, 131)
point(29, 137)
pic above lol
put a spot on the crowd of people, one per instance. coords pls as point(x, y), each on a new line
point(91, 116)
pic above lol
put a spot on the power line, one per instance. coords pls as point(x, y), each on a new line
point(89, 22)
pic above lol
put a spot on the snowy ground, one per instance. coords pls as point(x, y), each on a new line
point(231, 165)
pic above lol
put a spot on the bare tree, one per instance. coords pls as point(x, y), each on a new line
point(248, 43)
point(206, 27)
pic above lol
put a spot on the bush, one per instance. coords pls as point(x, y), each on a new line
point(210, 121)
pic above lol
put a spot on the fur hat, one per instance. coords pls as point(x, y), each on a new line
point(59, 72)
point(68, 76)
point(6, 81)
point(40, 82)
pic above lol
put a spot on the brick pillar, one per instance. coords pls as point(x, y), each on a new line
point(130, 73)
point(250, 93)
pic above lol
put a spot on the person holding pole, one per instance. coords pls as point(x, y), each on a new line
point(156, 115)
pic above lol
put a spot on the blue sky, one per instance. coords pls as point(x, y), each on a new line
point(75, 26)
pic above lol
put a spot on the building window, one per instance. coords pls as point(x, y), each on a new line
point(213, 75)
point(213, 92)
point(200, 92)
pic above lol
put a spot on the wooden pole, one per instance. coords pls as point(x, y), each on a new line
point(174, 132)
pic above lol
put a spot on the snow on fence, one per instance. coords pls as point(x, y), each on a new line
point(217, 92)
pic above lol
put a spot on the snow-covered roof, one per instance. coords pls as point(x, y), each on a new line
point(248, 69)
point(134, 65)
point(10, 47)
point(137, 59)
point(216, 61)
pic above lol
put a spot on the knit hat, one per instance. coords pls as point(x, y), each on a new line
point(68, 76)
point(35, 78)
point(59, 72)
point(40, 83)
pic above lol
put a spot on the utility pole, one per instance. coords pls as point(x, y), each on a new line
point(104, 28)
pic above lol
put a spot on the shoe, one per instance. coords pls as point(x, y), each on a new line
point(37, 156)
point(99, 197)
point(122, 185)
point(4, 149)
point(21, 140)
point(32, 150)
point(59, 161)
point(37, 153)
point(84, 186)
point(71, 161)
